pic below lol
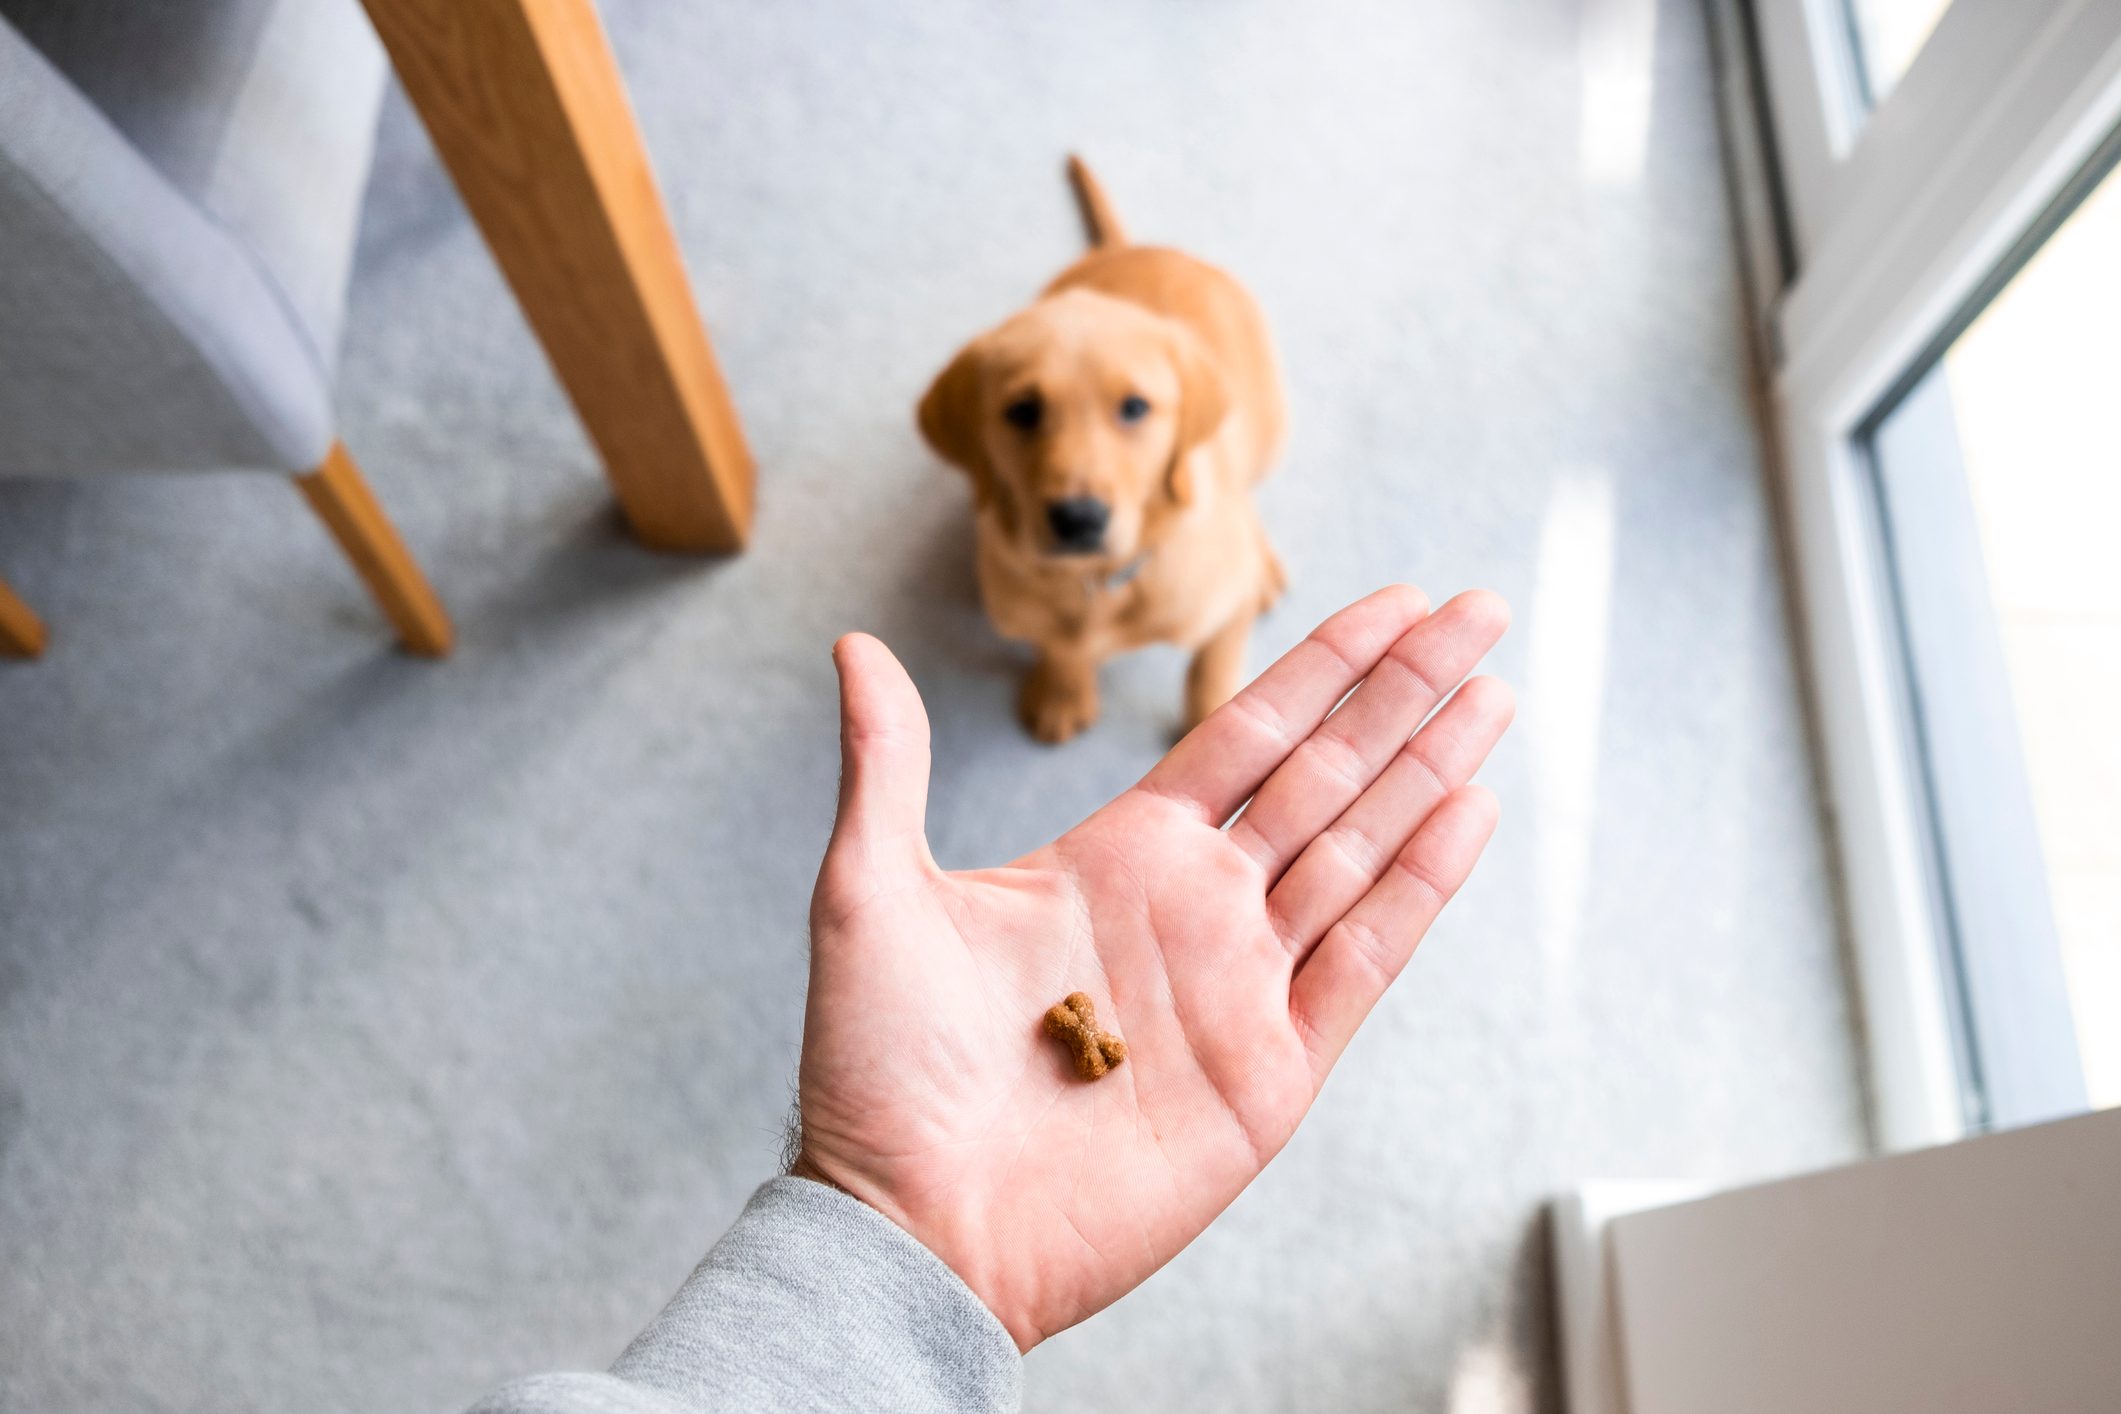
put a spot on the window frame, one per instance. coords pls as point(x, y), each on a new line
point(1902, 217)
point(2012, 1026)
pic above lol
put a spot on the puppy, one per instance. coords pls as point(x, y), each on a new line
point(1113, 432)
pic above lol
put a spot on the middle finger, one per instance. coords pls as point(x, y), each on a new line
point(1337, 762)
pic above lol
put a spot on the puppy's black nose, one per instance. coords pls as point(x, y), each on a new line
point(1078, 522)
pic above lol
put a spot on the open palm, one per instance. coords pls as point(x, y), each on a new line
point(1236, 962)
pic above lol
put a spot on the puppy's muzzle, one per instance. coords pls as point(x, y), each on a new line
point(1078, 524)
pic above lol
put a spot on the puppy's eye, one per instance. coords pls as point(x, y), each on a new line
point(1133, 408)
point(1023, 414)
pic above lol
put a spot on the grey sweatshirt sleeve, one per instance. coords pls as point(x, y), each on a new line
point(812, 1301)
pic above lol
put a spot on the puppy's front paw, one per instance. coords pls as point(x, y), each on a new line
point(1274, 581)
point(1056, 703)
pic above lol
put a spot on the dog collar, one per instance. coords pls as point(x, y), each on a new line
point(1121, 577)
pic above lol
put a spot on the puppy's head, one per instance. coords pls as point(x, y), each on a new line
point(1073, 420)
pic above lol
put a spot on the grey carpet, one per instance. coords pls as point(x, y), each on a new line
point(372, 1030)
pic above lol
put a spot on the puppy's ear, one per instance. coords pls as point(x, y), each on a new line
point(1203, 403)
point(950, 419)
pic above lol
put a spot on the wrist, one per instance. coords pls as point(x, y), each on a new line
point(803, 1166)
point(1024, 1332)
point(835, 1296)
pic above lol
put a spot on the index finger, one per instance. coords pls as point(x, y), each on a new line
point(1218, 765)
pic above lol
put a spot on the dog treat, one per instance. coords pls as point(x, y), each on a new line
point(1074, 1020)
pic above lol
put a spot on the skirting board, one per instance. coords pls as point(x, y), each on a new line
point(1592, 1379)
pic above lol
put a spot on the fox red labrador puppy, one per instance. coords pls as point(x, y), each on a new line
point(1113, 432)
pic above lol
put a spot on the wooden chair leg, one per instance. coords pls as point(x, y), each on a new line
point(21, 631)
point(342, 500)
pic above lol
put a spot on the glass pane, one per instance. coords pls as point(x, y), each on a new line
point(2000, 479)
point(1888, 34)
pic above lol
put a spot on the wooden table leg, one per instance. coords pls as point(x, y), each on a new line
point(526, 107)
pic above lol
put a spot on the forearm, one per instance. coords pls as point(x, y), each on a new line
point(812, 1300)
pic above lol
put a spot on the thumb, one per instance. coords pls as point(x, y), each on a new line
point(883, 758)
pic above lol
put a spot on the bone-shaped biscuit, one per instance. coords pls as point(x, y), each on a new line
point(1074, 1020)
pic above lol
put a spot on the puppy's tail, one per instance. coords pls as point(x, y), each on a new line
point(1099, 220)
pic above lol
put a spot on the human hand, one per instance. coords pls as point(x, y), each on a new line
point(1235, 963)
